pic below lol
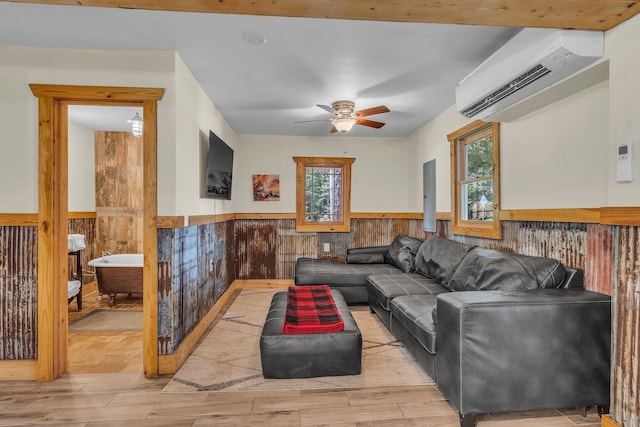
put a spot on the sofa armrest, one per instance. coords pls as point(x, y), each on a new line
point(368, 255)
point(501, 351)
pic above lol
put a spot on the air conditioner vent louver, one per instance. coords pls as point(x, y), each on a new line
point(521, 81)
point(533, 60)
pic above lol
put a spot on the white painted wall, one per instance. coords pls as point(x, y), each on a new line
point(556, 157)
point(563, 155)
point(379, 173)
point(82, 170)
point(18, 141)
point(20, 66)
point(622, 47)
point(428, 143)
point(196, 115)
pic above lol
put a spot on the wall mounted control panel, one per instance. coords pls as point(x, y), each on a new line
point(624, 163)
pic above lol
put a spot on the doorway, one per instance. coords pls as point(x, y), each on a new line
point(105, 199)
point(53, 102)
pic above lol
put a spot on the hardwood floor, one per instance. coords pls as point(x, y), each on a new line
point(129, 399)
point(104, 352)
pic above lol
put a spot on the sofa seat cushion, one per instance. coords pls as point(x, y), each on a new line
point(414, 312)
point(312, 271)
point(386, 287)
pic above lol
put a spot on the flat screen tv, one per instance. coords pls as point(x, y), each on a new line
point(219, 169)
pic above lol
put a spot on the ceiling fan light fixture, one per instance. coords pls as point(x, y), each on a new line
point(136, 125)
point(343, 125)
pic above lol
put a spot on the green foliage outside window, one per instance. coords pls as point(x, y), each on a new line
point(322, 194)
point(477, 182)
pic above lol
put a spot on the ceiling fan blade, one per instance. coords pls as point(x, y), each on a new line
point(370, 123)
point(333, 129)
point(326, 108)
point(371, 111)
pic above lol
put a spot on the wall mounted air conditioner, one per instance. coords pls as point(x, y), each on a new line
point(531, 61)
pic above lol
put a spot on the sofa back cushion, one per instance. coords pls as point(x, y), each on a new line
point(438, 258)
point(402, 252)
point(548, 272)
point(487, 269)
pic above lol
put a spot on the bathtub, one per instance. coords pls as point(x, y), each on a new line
point(118, 274)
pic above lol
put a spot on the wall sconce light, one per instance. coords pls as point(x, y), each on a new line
point(136, 125)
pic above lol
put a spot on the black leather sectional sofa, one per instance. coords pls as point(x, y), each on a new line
point(498, 332)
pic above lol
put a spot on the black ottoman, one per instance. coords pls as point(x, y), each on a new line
point(309, 355)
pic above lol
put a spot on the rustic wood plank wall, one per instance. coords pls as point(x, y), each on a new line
point(269, 248)
point(626, 326)
point(196, 266)
point(119, 192)
point(18, 292)
point(19, 284)
point(576, 245)
point(255, 249)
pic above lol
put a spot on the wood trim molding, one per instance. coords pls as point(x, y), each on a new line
point(458, 141)
point(265, 216)
point(607, 421)
point(382, 215)
point(209, 219)
point(624, 215)
point(585, 15)
point(52, 221)
point(82, 215)
point(170, 363)
point(18, 370)
point(92, 94)
point(552, 215)
point(150, 233)
point(28, 219)
point(357, 215)
point(264, 283)
point(342, 223)
point(629, 216)
point(18, 220)
point(170, 222)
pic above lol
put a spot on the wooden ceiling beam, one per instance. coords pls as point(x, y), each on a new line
point(574, 14)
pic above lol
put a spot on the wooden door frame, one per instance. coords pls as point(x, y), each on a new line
point(53, 101)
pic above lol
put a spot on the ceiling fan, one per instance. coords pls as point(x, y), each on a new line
point(346, 116)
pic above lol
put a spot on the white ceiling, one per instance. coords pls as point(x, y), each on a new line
point(263, 89)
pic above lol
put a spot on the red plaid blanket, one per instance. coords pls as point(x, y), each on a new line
point(311, 310)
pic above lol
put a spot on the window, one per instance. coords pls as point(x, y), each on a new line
point(475, 180)
point(323, 193)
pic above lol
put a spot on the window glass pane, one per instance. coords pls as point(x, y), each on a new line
point(477, 200)
point(478, 158)
point(323, 194)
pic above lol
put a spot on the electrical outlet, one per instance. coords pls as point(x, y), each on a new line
point(327, 247)
point(211, 266)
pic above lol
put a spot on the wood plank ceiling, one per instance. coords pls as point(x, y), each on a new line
point(574, 14)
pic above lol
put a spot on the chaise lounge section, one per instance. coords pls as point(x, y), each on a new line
point(497, 331)
point(351, 278)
